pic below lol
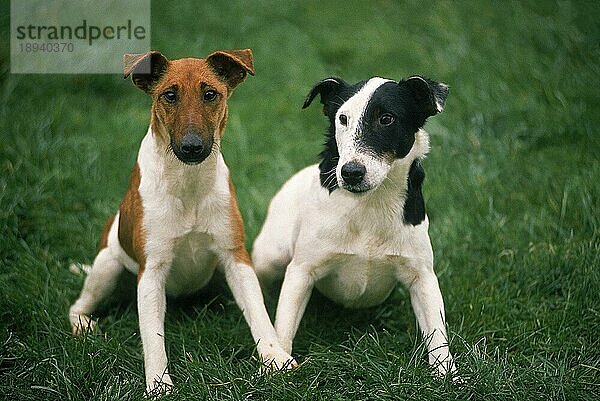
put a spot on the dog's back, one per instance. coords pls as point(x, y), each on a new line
point(274, 246)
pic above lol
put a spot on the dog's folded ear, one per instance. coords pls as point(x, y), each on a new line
point(430, 95)
point(232, 65)
point(145, 69)
point(325, 88)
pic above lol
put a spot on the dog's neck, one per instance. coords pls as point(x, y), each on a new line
point(173, 176)
point(397, 178)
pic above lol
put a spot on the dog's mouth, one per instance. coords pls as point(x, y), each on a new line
point(191, 160)
point(360, 187)
point(357, 189)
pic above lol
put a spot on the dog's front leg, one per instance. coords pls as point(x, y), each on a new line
point(428, 305)
point(152, 305)
point(244, 285)
point(295, 293)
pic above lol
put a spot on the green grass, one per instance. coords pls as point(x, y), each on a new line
point(512, 191)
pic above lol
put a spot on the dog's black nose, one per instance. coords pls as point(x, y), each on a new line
point(191, 146)
point(353, 172)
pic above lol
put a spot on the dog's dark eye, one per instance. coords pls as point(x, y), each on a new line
point(386, 119)
point(210, 95)
point(343, 119)
point(170, 96)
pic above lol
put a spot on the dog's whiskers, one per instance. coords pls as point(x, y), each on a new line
point(330, 171)
point(170, 153)
point(328, 180)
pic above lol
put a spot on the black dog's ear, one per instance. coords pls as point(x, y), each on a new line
point(325, 88)
point(430, 95)
point(232, 65)
point(145, 69)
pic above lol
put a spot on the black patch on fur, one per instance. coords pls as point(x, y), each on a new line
point(414, 205)
point(397, 139)
point(409, 101)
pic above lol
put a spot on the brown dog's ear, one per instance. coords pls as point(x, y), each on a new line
point(145, 69)
point(232, 65)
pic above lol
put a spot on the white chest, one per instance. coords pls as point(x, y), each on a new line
point(186, 235)
point(193, 264)
point(185, 215)
point(357, 281)
point(363, 259)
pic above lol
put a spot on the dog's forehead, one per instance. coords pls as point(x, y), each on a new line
point(191, 72)
point(358, 102)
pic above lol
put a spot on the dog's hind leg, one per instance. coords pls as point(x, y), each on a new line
point(270, 259)
point(99, 284)
point(274, 246)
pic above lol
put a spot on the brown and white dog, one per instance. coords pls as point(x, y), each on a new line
point(179, 221)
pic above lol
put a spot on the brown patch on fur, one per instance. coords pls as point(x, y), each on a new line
point(240, 253)
point(131, 229)
point(104, 238)
point(145, 69)
point(232, 65)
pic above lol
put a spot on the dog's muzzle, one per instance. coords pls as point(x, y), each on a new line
point(353, 177)
point(192, 149)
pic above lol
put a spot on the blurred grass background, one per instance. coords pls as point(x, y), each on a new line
point(512, 192)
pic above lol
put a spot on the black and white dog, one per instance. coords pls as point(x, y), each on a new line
point(355, 225)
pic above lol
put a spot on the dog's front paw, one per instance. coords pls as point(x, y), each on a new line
point(447, 368)
point(158, 387)
point(82, 324)
point(275, 360)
